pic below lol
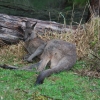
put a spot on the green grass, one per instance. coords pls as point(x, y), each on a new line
point(19, 85)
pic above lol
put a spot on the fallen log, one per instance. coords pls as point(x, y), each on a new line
point(10, 31)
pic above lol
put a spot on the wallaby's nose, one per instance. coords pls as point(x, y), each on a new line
point(23, 39)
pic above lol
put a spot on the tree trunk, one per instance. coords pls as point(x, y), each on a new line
point(10, 27)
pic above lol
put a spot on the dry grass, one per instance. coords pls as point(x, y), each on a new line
point(86, 41)
point(12, 54)
point(2, 43)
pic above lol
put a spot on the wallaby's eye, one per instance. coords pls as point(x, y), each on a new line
point(29, 34)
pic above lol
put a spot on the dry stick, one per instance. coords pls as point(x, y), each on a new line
point(98, 31)
point(64, 22)
point(50, 21)
point(60, 14)
point(63, 18)
point(91, 11)
point(95, 56)
point(81, 19)
point(99, 23)
point(82, 15)
point(72, 16)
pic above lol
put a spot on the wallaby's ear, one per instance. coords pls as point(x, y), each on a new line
point(28, 24)
point(34, 25)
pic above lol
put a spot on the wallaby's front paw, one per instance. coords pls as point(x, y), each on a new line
point(26, 57)
point(29, 60)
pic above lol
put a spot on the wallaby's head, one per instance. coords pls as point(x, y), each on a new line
point(29, 31)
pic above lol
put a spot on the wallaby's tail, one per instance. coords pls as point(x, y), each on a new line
point(28, 68)
point(47, 73)
point(8, 67)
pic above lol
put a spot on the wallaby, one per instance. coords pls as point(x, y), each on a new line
point(33, 44)
point(61, 54)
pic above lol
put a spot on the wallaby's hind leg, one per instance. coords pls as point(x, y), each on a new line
point(36, 65)
point(55, 58)
point(33, 66)
point(36, 53)
point(43, 63)
point(54, 62)
point(64, 64)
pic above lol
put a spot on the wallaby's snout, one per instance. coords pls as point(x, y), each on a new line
point(27, 35)
point(29, 31)
point(24, 38)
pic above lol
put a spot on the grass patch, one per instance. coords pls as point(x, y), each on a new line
point(19, 85)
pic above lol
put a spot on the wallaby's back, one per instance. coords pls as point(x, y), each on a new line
point(64, 47)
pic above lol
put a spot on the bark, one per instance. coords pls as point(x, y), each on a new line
point(10, 27)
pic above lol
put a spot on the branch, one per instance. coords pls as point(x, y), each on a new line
point(95, 56)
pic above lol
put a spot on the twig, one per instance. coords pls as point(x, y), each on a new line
point(95, 56)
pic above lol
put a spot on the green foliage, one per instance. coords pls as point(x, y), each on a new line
point(80, 2)
point(19, 85)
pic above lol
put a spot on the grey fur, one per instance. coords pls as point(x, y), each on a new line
point(33, 44)
point(61, 55)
